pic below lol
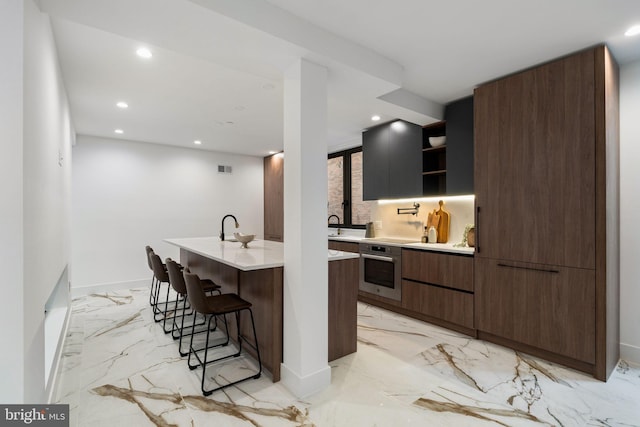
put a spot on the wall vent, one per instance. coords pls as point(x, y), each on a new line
point(224, 169)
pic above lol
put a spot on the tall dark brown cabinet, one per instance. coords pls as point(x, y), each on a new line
point(546, 185)
point(274, 198)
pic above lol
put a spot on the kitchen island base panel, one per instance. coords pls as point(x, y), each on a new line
point(343, 307)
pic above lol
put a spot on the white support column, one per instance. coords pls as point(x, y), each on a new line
point(305, 369)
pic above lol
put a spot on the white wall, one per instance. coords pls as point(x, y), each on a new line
point(11, 32)
point(127, 195)
point(35, 194)
point(630, 212)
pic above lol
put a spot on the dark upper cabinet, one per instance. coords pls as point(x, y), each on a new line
point(459, 118)
point(448, 169)
point(375, 163)
point(392, 163)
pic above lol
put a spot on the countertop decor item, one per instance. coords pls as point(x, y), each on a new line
point(471, 237)
point(244, 238)
point(432, 226)
point(437, 141)
point(468, 237)
point(369, 230)
point(443, 225)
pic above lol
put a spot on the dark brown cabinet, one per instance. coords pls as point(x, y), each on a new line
point(274, 198)
point(449, 270)
point(344, 246)
point(547, 307)
point(535, 164)
point(546, 179)
point(438, 287)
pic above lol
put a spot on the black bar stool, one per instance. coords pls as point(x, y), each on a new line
point(156, 284)
point(161, 275)
point(212, 306)
point(176, 278)
point(152, 293)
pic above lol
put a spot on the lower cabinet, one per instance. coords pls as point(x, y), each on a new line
point(546, 307)
point(344, 246)
point(437, 287)
point(438, 302)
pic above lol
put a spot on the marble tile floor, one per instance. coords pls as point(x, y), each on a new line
point(119, 369)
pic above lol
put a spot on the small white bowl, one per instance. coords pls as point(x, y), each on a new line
point(244, 238)
point(437, 141)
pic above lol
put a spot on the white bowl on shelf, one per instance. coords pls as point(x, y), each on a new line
point(244, 238)
point(437, 141)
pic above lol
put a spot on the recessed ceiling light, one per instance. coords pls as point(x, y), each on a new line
point(229, 123)
point(272, 152)
point(375, 118)
point(143, 52)
point(119, 131)
point(197, 142)
point(633, 31)
point(122, 104)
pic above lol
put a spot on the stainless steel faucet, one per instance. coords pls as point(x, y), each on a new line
point(222, 227)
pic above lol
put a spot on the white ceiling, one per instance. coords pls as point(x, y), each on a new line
point(216, 73)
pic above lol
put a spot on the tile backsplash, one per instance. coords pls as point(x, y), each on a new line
point(409, 226)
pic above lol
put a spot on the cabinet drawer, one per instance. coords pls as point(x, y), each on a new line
point(446, 304)
point(344, 246)
point(548, 307)
point(452, 271)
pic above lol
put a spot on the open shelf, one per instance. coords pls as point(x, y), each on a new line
point(434, 161)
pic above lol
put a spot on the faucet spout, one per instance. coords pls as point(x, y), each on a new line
point(222, 225)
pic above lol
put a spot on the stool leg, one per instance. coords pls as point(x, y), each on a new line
point(153, 281)
point(191, 349)
point(175, 313)
point(255, 340)
point(166, 304)
point(253, 376)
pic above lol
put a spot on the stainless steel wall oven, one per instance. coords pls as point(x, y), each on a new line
point(380, 269)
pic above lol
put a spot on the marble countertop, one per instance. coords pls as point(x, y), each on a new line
point(259, 255)
point(437, 247)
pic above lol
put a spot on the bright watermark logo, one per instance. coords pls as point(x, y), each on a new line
point(36, 415)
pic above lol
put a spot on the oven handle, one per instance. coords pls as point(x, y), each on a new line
point(379, 258)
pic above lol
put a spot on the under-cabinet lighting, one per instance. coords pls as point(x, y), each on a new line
point(435, 199)
point(633, 31)
point(143, 52)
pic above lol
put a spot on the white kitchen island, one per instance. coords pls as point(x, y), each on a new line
point(256, 274)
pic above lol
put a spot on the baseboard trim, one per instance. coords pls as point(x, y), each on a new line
point(305, 386)
point(108, 287)
point(630, 353)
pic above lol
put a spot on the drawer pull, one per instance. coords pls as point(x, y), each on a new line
point(545, 270)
